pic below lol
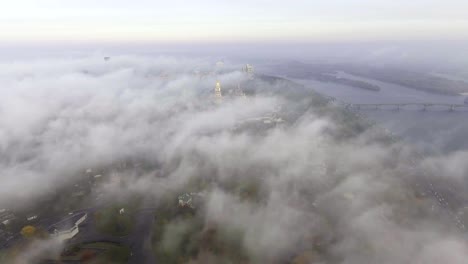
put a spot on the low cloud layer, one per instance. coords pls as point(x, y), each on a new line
point(325, 181)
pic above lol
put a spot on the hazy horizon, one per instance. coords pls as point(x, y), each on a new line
point(208, 21)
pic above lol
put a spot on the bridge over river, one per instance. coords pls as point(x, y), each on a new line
point(409, 106)
point(402, 106)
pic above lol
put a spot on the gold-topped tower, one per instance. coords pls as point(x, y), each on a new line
point(218, 94)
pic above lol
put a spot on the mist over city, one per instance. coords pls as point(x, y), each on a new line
point(217, 132)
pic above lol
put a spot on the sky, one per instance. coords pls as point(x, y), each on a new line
point(177, 21)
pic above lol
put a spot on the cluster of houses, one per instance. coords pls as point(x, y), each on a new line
point(6, 218)
point(63, 230)
point(9, 219)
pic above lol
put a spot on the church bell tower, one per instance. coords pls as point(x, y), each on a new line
point(218, 95)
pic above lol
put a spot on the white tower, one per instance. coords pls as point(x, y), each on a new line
point(249, 69)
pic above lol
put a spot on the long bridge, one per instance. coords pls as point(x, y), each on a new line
point(400, 106)
point(408, 106)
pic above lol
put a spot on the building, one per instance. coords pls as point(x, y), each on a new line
point(249, 70)
point(67, 228)
point(219, 66)
point(191, 200)
point(5, 238)
point(239, 92)
point(218, 94)
point(32, 217)
point(272, 119)
point(201, 74)
point(6, 216)
point(185, 200)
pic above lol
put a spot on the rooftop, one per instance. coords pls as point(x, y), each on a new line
point(66, 223)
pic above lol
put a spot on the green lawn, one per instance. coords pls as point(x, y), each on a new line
point(110, 221)
point(99, 245)
point(3, 256)
point(99, 252)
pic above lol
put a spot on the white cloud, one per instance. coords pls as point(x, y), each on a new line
point(350, 194)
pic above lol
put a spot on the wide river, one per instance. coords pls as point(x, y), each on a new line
point(433, 131)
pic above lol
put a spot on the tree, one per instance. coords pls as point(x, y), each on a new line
point(87, 255)
point(28, 231)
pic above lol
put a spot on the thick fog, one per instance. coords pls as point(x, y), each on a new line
point(324, 182)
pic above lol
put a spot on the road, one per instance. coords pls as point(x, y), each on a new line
point(140, 239)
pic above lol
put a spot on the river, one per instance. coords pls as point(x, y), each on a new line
point(432, 132)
